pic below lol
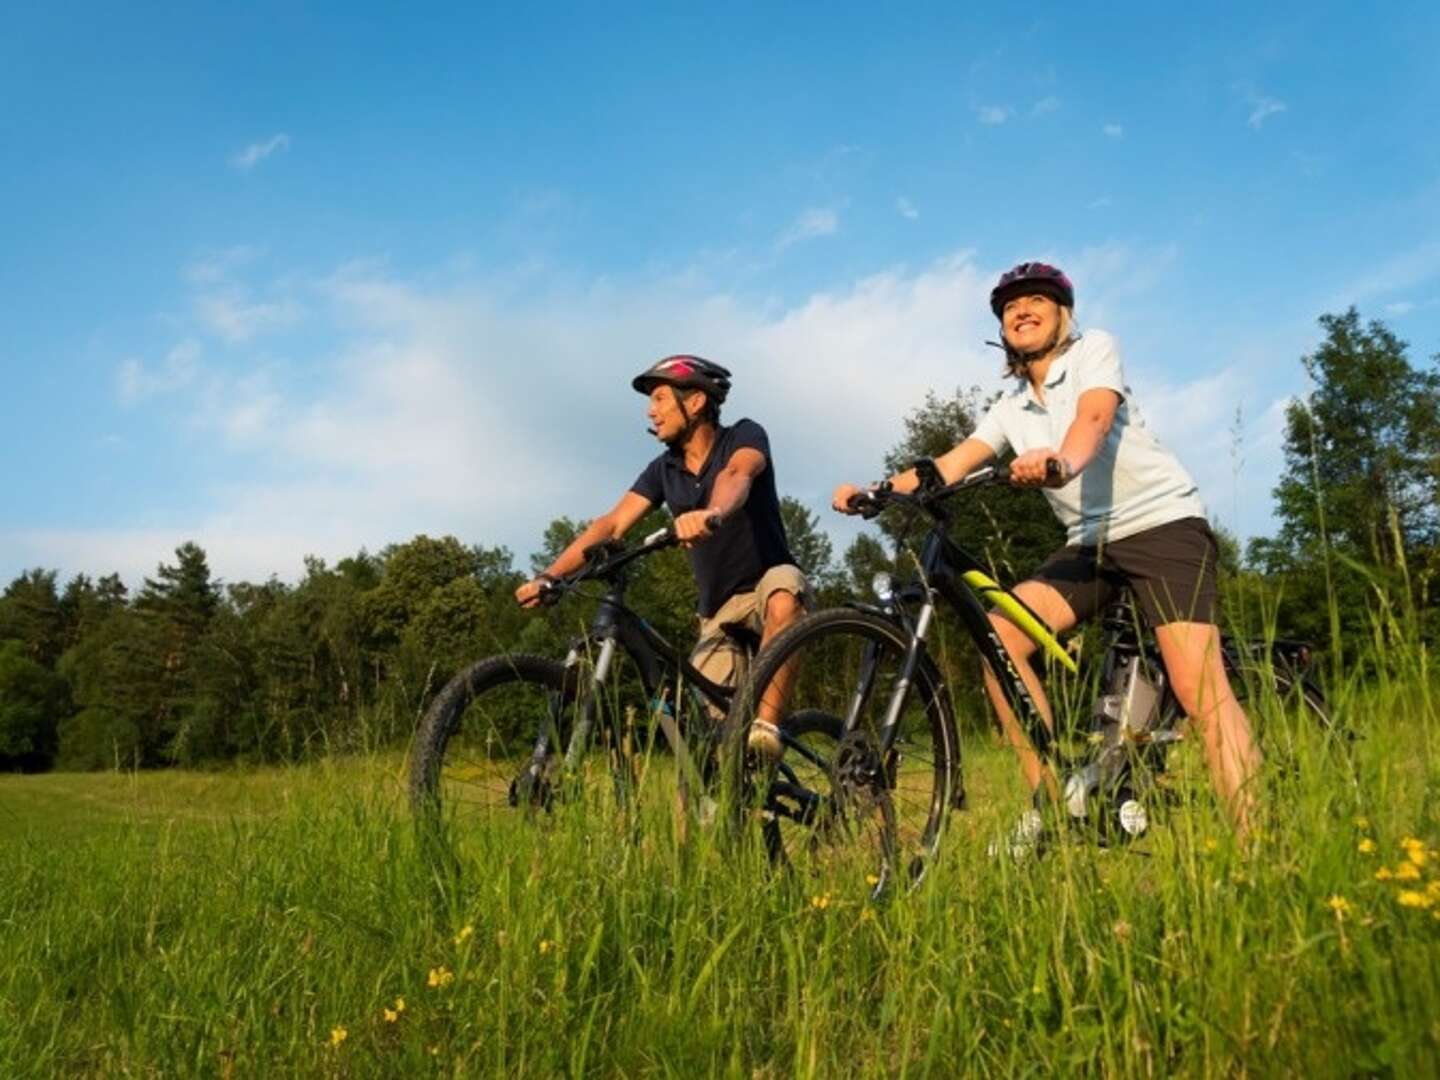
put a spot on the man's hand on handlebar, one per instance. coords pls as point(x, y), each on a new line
point(695, 527)
point(1040, 468)
point(532, 593)
point(842, 497)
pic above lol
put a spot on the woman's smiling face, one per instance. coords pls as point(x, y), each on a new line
point(1031, 322)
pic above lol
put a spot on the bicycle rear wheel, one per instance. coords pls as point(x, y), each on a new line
point(1293, 723)
point(496, 735)
point(875, 809)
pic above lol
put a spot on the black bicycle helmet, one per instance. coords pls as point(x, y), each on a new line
point(686, 372)
point(1029, 278)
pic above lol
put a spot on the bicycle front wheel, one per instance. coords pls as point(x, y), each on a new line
point(875, 797)
point(496, 736)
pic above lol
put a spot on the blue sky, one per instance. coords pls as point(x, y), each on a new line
point(293, 280)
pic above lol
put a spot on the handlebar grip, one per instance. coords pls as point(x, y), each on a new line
point(658, 536)
point(713, 522)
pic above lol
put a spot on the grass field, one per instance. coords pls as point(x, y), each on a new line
point(286, 922)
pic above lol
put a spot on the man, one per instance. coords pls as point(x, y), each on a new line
point(719, 484)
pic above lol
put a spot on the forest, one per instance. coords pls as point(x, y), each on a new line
point(187, 670)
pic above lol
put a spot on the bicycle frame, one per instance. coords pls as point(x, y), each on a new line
point(949, 572)
point(617, 626)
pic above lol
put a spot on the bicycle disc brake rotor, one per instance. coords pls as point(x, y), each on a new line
point(862, 797)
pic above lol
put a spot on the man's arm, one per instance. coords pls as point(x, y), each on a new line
point(611, 525)
point(732, 488)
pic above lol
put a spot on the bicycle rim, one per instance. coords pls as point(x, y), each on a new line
point(876, 811)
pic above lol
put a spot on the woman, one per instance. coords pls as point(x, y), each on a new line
point(1131, 511)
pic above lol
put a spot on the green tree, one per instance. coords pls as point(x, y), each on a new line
point(1360, 492)
point(177, 606)
point(30, 613)
point(32, 701)
point(809, 544)
point(84, 604)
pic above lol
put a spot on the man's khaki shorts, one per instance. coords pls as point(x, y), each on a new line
point(716, 655)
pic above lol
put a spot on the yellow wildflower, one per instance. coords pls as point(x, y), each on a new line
point(390, 1015)
point(338, 1035)
point(1407, 871)
point(440, 977)
point(399, 1004)
point(1417, 854)
point(1211, 843)
point(821, 902)
point(465, 932)
point(1414, 898)
point(1339, 905)
point(1362, 823)
point(872, 880)
point(1367, 846)
point(546, 946)
point(1383, 874)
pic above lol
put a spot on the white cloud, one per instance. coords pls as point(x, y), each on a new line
point(1400, 307)
point(815, 222)
point(1262, 108)
point(1113, 131)
point(136, 381)
point(229, 314)
point(485, 409)
point(993, 114)
point(257, 152)
point(216, 266)
point(1399, 273)
point(1045, 105)
point(906, 208)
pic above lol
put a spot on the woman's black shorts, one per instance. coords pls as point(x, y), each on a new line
point(1170, 569)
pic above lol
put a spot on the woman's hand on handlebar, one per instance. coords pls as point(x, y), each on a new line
point(1040, 468)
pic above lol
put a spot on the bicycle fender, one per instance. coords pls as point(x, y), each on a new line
point(1021, 616)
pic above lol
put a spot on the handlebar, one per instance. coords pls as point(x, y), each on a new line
point(928, 495)
point(604, 560)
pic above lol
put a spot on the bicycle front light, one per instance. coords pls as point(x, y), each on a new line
point(883, 586)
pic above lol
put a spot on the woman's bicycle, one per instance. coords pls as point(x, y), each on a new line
point(520, 731)
point(896, 771)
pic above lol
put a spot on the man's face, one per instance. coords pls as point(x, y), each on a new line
point(666, 416)
point(1030, 322)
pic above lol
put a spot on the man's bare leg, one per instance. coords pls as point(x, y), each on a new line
point(782, 608)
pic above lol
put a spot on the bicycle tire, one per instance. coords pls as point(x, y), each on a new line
point(475, 747)
point(811, 738)
point(883, 815)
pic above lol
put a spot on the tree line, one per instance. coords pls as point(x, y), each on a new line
point(188, 670)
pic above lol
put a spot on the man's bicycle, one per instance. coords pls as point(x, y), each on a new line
point(896, 771)
point(518, 730)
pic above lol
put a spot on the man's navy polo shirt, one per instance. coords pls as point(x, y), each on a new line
point(750, 542)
